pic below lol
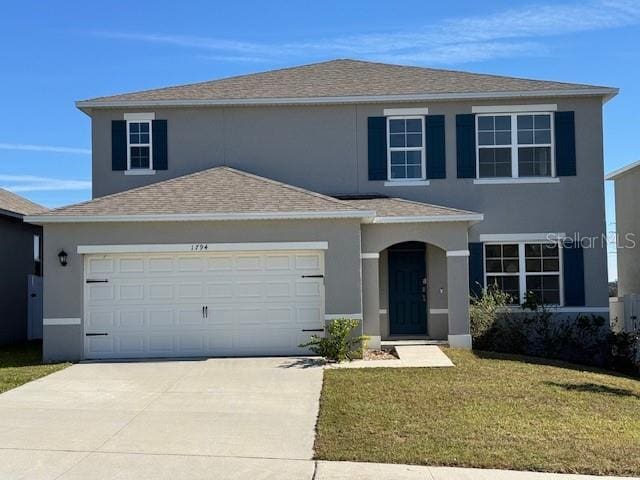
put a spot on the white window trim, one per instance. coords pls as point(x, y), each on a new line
point(522, 272)
point(406, 183)
point(515, 177)
point(405, 111)
point(550, 107)
point(140, 118)
point(422, 150)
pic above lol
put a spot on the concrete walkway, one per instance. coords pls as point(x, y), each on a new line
point(409, 356)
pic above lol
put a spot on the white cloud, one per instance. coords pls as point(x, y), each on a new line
point(31, 183)
point(45, 148)
point(513, 32)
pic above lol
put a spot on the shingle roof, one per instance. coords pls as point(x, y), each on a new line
point(224, 192)
point(342, 78)
point(10, 202)
point(399, 207)
point(219, 190)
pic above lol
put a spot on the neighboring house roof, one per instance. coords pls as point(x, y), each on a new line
point(621, 171)
point(397, 210)
point(224, 193)
point(15, 205)
point(347, 81)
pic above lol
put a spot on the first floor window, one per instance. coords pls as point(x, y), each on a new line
point(37, 260)
point(139, 144)
point(525, 268)
point(514, 145)
point(406, 152)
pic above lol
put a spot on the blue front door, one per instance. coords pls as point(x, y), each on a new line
point(407, 297)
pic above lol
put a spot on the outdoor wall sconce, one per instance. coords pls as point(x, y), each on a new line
point(62, 256)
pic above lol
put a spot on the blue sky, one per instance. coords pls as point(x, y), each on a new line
point(54, 53)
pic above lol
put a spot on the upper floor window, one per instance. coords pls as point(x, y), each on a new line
point(518, 268)
point(515, 145)
point(406, 148)
point(139, 142)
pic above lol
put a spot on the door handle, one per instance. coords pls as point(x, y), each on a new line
point(203, 311)
point(206, 311)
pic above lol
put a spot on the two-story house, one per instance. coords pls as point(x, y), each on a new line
point(233, 217)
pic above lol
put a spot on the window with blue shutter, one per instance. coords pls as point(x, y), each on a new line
point(466, 145)
point(565, 138)
point(476, 268)
point(435, 145)
point(118, 145)
point(377, 147)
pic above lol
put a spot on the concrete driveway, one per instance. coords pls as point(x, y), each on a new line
point(215, 418)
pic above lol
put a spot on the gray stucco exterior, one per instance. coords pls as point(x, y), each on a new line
point(16, 245)
point(323, 148)
point(627, 195)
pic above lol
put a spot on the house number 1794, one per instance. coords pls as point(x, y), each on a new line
point(198, 247)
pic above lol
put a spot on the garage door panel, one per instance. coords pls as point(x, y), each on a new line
point(152, 304)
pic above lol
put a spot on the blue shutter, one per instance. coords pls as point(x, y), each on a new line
point(476, 268)
point(118, 145)
point(160, 155)
point(377, 146)
point(573, 270)
point(435, 146)
point(466, 145)
point(565, 138)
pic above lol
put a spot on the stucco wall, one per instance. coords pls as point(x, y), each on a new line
point(324, 148)
point(63, 286)
point(627, 193)
point(16, 256)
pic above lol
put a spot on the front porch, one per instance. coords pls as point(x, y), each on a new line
point(415, 283)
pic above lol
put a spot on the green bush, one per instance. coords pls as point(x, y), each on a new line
point(535, 330)
point(339, 342)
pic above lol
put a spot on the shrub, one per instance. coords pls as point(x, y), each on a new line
point(339, 342)
point(535, 330)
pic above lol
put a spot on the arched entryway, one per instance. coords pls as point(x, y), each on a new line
point(406, 281)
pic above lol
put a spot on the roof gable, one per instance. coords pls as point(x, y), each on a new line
point(221, 191)
point(342, 79)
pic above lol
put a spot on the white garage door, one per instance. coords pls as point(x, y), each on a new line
point(202, 304)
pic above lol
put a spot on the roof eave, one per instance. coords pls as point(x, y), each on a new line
point(621, 171)
point(200, 217)
point(606, 92)
point(461, 217)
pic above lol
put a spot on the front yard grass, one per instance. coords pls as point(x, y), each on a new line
point(20, 364)
point(490, 411)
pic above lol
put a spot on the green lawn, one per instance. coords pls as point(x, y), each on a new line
point(22, 363)
point(490, 411)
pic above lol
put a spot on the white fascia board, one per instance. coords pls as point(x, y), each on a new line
point(621, 171)
point(203, 247)
point(198, 217)
point(465, 217)
point(549, 107)
point(608, 93)
point(521, 237)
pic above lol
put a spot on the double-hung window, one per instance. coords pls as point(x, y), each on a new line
point(515, 145)
point(139, 142)
point(518, 268)
point(406, 148)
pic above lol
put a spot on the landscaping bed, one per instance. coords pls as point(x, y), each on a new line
point(490, 411)
point(20, 364)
